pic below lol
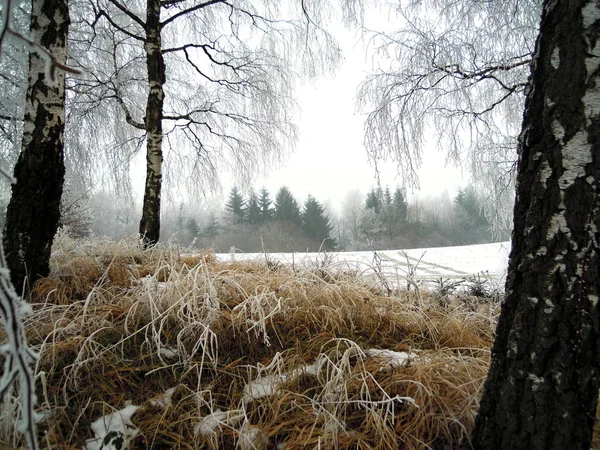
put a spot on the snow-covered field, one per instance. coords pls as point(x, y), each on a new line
point(423, 264)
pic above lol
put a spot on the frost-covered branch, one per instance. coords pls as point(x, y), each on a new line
point(18, 355)
point(453, 74)
point(51, 63)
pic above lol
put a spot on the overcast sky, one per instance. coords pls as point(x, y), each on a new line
point(330, 158)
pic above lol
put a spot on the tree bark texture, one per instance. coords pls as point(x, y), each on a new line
point(150, 222)
point(542, 388)
point(34, 209)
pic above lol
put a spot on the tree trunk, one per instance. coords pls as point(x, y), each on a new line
point(150, 222)
point(542, 388)
point(34, 208)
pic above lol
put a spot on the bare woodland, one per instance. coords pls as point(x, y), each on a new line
point(507, 89)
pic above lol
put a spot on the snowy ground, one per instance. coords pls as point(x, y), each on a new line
point(396, 266)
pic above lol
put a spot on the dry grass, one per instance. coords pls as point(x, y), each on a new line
point(256, 357)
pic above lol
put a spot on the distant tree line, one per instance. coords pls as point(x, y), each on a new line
point(385, 220)
point(256, 221)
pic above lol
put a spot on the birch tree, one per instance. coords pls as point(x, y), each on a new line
point(219, 79)
point(34, 209)
point(458, 69)
point(542, 388)
point(32, 214)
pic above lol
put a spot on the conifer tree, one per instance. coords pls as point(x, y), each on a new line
point(265, 205)
point(192, 230)
point(236, 205)
point(373, 201)
point(211, 229)
point(386, 197)
point(286, 207)
point(253, 214)
point(400, 205)
point(316, 224)
point(473, 227)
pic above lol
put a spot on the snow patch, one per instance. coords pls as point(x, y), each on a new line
point(209, 424)
point(163, 400)
point(449, 262)
point(263, 387)
point(252, 438)
point(270, 384)
point(392, 358)
point(168, 352)
point(114, 431)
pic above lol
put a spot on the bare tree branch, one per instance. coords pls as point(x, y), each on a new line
point(130, 14)
point(188, 11)
point(462, 75)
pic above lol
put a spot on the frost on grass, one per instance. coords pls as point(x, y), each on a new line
point(391, 358)
point(163, 400)
point(209, 424)
point(114, 431)
point(270, 384)
point(18, 356)
point(252, 438)
point(206, 332)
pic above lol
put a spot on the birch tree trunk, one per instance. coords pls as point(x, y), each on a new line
point(34, 208)
point(150, 222)
point(542, 388)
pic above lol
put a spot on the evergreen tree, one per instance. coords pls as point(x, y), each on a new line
point(316, 224)
point(211, 229)
point(386, 198)
point(286, 207)
point(473, 227)
point(387, 213)
point(371, 227)
point(253, 215)
point(192, 230)
point(265, 205)
point(236, 205)
point(373, 201)
point(400, 205)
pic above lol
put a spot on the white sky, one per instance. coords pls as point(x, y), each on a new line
point(331, 159)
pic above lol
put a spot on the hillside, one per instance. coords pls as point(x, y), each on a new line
point(163, 349)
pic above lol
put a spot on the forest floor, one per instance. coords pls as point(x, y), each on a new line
point(165, 349)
